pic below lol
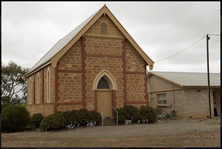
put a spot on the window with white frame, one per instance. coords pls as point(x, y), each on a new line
point(161, 100)
point(48, 86)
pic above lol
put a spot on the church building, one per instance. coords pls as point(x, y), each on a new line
point(97, 66)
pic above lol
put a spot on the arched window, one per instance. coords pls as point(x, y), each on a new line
point(48, 86)
point(30, 91)
point(38, 90)
point(103, 28)
point(103, 84)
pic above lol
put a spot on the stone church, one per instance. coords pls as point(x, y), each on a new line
point(97, 66)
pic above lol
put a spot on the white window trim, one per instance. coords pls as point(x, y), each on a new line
point(48, 85)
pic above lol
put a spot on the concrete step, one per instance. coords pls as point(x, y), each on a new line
point(108, 122)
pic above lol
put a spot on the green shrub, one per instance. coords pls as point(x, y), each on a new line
point(148, 112)
point(132, 112)
point(96, 116)
point(36, 119)
point(122, 115)
point(159, 111)
point(54, 121)
point(15, 118)
point(68, 117)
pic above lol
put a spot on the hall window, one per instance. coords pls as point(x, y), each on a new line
point(103, 84)
point(48, 86)
point(38, 89)
point(161, 100)
point(103, 28)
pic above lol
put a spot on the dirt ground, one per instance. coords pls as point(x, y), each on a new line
point(207, 139)
point(188, 139)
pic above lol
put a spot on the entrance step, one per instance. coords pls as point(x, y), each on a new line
point(108, 122)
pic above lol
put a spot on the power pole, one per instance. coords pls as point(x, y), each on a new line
point(208, 75)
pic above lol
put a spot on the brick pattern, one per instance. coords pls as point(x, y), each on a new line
point(83, 72)
point(44, 108)
point(134, 62)
point(124, 72)
point(71, 60)
point(70, 87)
point(135, 87)
point(72, 80)
point(69, 107)
point(103, 46)
point(95, 63)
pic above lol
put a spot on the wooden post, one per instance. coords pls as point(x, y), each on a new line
point(208, 75)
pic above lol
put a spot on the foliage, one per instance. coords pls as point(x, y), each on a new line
point(83, 117)
point(36, 119)
point(96, 116)
point(12, 83)
point(159, 111)
point(54, 121)
point(132, 112)
point(15, 118)
point(58, 120)
point(129, 111)
point(148, 112)
point(167, 115)
point(122, 115)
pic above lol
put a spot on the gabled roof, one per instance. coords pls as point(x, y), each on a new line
point(188, 79)
point(63, 45)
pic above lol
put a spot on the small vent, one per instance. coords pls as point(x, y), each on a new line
point(103, 28)
point(198, 90)
point(190, 116)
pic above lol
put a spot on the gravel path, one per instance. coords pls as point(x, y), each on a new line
point(162, 127)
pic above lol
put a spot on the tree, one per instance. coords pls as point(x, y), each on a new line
point(13, 87)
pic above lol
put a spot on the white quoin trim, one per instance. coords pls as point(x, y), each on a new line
point(109, 78)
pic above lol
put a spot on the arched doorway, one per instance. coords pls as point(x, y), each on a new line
point(104, 85)
point(104, 98)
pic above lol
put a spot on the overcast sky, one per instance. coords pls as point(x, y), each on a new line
point(161, 29)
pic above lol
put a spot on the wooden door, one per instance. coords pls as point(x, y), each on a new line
point(104, 102)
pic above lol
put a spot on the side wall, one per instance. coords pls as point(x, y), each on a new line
point(41, 106)
point(188, 102)
point(196, 103)
point(174, 96)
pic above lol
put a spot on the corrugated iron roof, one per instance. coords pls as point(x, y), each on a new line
point(189, 78)
point(59, 45)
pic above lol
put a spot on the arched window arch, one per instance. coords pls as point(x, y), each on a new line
point(48, 86)
point(38, 89)
point(103, 28)
point(103, 84)
point(30, 90)
point(108, 77)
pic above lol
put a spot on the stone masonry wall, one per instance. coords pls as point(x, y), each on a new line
point(70, 79)
point(136, 92)
point(100, 57)
point(41, 106)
